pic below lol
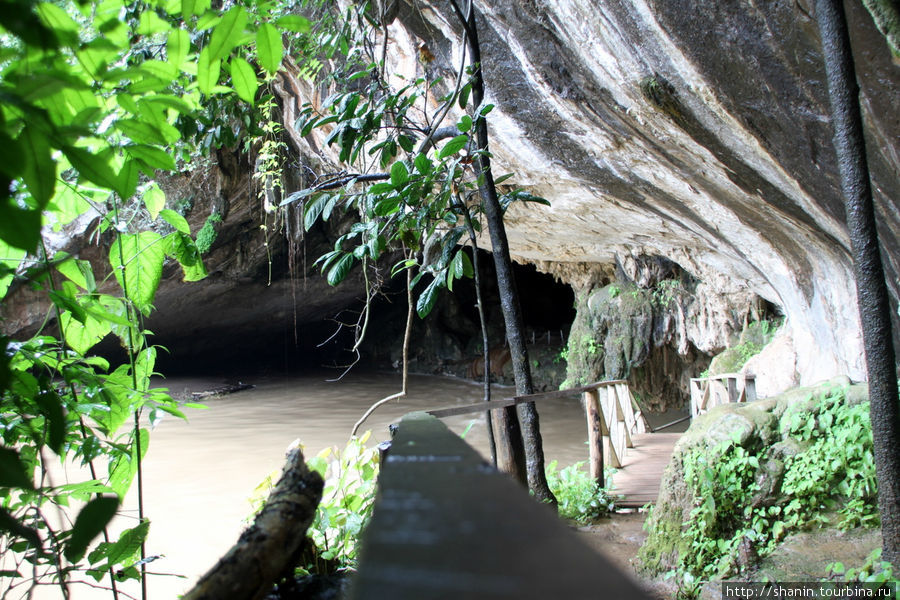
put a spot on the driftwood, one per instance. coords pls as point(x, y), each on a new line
point(222, 390)
point(268, 549)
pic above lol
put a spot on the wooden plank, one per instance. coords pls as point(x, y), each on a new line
point(447, 526)
point(641, 474)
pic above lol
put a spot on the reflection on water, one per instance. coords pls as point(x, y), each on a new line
point(199, 474)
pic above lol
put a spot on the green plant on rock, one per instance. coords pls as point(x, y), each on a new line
point(873, 570)
point(581, 498)
point(734, 521)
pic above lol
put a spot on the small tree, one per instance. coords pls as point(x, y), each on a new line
point(426, 200)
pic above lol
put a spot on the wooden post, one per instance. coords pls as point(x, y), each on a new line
point(591, 401)
point(510, 447)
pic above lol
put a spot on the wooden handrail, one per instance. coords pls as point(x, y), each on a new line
point(468, 409)
point(611, 421)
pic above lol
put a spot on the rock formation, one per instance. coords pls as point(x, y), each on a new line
point(692, 131)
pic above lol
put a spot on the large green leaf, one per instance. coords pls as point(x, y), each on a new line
point(453, 146)
point(155, 200)
point(339, 271)
point(269, 48)
point(95, 168)
point(137, 261)
point(123, 469)
point(175, 220)
point(152, 157)
point(81, 337)
point(428, 297)
point(294, 23)
point(178, 45)
point(243, 77)
point(91, 521)
point(40, 170)
point(227, 33)
point(207, 71)
point(183, 249)
point(399, 174)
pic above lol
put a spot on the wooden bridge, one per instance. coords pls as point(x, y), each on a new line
point(618, 437)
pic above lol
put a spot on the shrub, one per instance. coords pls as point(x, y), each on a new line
point(581, 498)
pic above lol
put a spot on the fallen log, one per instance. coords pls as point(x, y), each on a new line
point(222, 390)
point(268, 549)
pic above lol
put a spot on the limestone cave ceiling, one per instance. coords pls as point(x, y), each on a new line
point(697, 131)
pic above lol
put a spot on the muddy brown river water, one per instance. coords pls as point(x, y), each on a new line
point(199, 474)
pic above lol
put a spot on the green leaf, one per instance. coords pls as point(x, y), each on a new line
point(399, 174)
point(227, 33)
point(91, 521)
point(269, 48)
point(339, 271)
point(294, 23)
point(175, 220)
point(453, 146)
point(464, 95)
point(149, 23)
point(78, 272)
point(40, 169)
point(152, 157)
point(428, 297)
point(128, 545)
point(313, 210)
point(10, 258)
point(381, 188)
point(243, 77)
point(82, 336)
point(207, 71)
point(65, 28)
point(124, 468)
point(95, 168)
point(465, 123)
point(178, 45)
point(423, 164)
point(137, 261)
point(12, 472)
point(185, 251)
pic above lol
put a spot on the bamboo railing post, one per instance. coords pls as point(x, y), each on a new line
point(594, 416)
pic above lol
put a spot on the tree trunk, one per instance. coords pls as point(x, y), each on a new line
point(509, 298)
point(268, 549)
point(871, 289)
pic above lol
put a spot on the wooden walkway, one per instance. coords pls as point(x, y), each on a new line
point(641, 473)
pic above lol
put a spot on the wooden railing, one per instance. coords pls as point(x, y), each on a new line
point(612, 420)
point(445, 525)
point(707, 392)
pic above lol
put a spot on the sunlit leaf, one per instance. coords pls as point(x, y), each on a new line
point(269, 48)
point(137, 261)
point(94, 168)
point(10, 258)
point(244, 79)
point(175, 220)
point(82, 336)
point(40, 170)
point(227, 33)
point(207, 71)
point(429, 296)
point(294, 23)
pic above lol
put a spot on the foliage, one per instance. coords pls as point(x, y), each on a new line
point(421, 202)
point(207, 234)
point(832, 467)
point(98, 98)
point(581, 498)
point(350, 482)
point(873, 570)
point(753, 339)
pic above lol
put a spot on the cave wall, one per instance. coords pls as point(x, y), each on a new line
point(695, 131)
